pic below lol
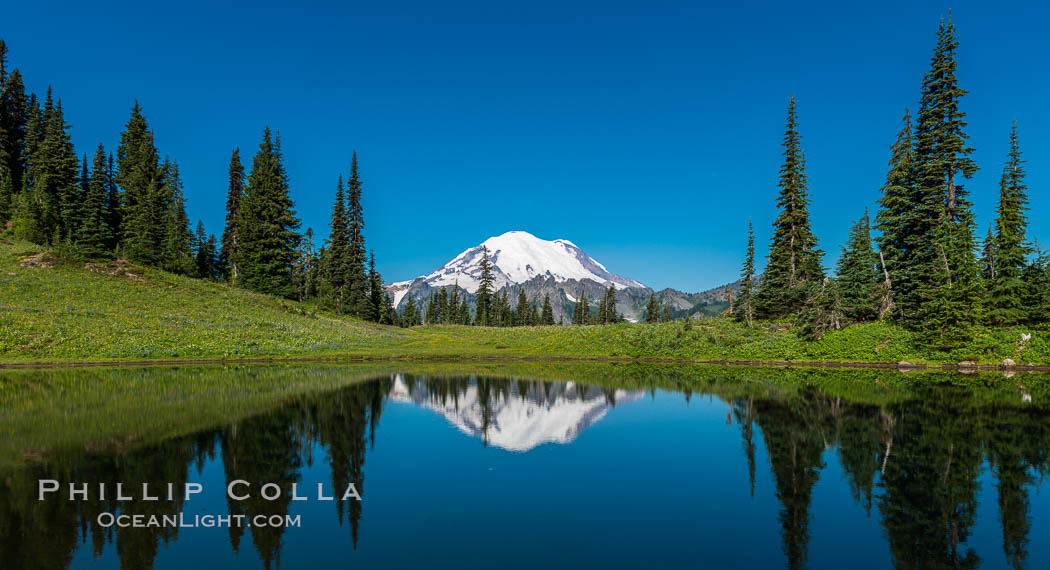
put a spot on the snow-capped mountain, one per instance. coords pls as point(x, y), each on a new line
point(551, 413)
point(517, 257)
point(522, 262)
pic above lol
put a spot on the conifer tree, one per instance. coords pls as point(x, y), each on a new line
point(113, 204)
point(988, 258)
point(304, 271)
point(1011, 248)
point(453, 305)
point(177, 254)
point(901, 227)
point(483, 297)
point(234, 194)
point(94, 235)
point(794, 267)
point(409, 317)
point(857, 273)
point(745, 306)
point(548, 311)
point(205, 256)
point(521, 310)
point(141, 178)
point(14, 116)
point(266, 236)
point(652, 310)
point(357, 283)
point(337, 260)
point(667, 316)
point(951, 295)
point(49, 205)
point(376, 294)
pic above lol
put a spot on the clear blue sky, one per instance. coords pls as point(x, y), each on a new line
point(645, 132)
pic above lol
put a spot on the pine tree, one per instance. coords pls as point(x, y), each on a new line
point(266, 236)
point(177, 254)
point(114, 204)
point(548, 311)
point(652, 310)
point(94, 235)
point(988, 258)
point(338, 263)
point(357, 283)
point(376, 294)
point(794, 267)
point(483, 297)
point(409, 317)
point(140, 177)
point(234, 194)
point(745, 306)
point(204, 253)
point(14, 116)
point(858, 273)
point(824, 312)
point(902, 226)
point(521, 310)
point(49, 205)
point(1010, 245)
point(951, 297)
point(304, 271)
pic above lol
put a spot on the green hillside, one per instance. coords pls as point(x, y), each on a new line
point(53, 309)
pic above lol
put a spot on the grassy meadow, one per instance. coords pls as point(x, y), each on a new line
point(61, 311)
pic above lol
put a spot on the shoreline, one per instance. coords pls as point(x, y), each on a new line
point(900, 366)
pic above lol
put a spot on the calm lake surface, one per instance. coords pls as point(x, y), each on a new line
point(530, 465)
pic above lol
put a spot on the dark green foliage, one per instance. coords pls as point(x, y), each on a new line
point(950, 294)
point(141, 179)
point(547, 317)
point(409, 317)
point(234, 194)
point(825, 310)
point(581, 314)
point(49, 205)
point(744, 309)
point(483, 297)
point(94, 236)
point(794, 267)
point(356, 289)
point(607, 307)
point(858, 273)
point(177, 245)
point(376, 294)
point(1010, 248)
point(266, 236)
point(337, 263)
point(902, 227)
point(652, 310)
point(306, 270)
point(14, 116)
point(1036, 277)
point(205, 256)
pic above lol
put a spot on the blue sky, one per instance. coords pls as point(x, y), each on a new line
point(645, 132)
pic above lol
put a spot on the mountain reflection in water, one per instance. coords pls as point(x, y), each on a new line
point(912, 460)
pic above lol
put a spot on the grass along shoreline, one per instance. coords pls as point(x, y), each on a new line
point(58, 311)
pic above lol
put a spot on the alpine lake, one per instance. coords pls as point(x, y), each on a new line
point(522, 465)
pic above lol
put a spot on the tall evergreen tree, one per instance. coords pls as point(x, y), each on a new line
point(548, 311)
point(357, 282)
point(858, 273)
point(376, 294)
point(521, 309)
point(49, 205)
point(177, 250)
point(652, 310)
point(745, 305)
point(951, 296)
point(409, 317)
point(234, 194)
point(266, 232)
point(1011, 248)
point(337, 260)
point(483, 297)
point(94, 235)
point(305, 267)
point(113, 204)
point(14, 118)
point(794, 267)
point(204, 253)
point(140, 177)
